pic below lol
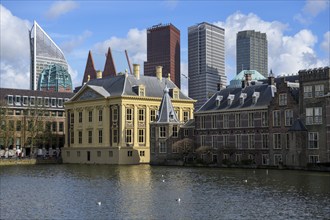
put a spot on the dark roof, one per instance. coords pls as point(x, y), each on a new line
point(166, 113)
point(125, 85)
point(266, 93)
point(298, 125)
point(189, 123)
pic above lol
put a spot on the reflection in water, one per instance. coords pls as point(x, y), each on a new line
point(139, 192)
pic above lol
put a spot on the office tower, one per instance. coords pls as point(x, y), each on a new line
point(44, 52)
point(206, 61)
point(163, 49)
point(252, 52)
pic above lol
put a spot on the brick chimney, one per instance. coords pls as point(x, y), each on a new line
point(136, 70)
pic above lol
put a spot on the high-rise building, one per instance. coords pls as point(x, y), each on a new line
point(252, 52)
point(206, 61)
point(44, 52)
point(163, 49)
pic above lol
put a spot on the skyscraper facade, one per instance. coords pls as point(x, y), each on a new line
point(252, 52)
point(44, 52)
point(163, 49)
point(206, 61)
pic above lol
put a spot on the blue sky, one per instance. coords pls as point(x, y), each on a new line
point(297, 31)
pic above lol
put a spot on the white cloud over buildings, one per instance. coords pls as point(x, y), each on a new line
point(59, 8)
point(325, 45)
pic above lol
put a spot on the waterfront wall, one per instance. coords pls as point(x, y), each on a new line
point(29, 161)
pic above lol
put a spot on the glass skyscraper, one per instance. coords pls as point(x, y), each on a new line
point(206, 61)
point(44, 52)
point(252, 52)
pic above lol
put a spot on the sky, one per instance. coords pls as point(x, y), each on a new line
point(297, 32)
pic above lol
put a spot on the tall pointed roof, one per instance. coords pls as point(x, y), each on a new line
point(166, 112)
point(90, 69)
point(109, 67)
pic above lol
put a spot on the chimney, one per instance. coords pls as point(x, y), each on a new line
point(271, 79)
point(159, 72)
point(136, 70)
point(169, 76)
point(99, 74)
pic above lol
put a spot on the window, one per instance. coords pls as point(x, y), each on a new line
point(98, 153)
point(100, 115)
point(80, 137)
point(277, 159)
point(72, 137)
point(202, 140)
point(186, 132)
point(71, 118)
point(68, 153)
point(129, 116)
point(251, 144)
point(78, 153)
point(214, 121)
point(202, 122)
point(80, 117)
point(18, 125)
point(282, 99)
point(319, 90)
point(264, 119)
point(90, 137)
point(287, 141)
point(175, 94)
point(30, 125)
point(141, 135)
point(60, 126)
point(308, 91)
point(226, 140)
point(237, 120)
point(313, 115)
point(39, 101)
point(185, 116)
point(10, 100)
point(313, 159)
point(142, 153)
point(129, 153)
point(110, 153)
point(152, 115)
point(313, 140)
point(250, 119)
point(162, 131)
point(25, 100)
point(214, 142)
point(226, 156)
point(141, 115)
point(32, 101)
point(141, 91)
point(276, 118)
point(53, 102)
point(100, 136)
point(46, 101)
point(265, 141)
point(60, 102)
point(114, 114)
point(238, 158)
point(225, 121)
point(288, 117)
point(129, 135)
point(90, 116)
point(175, 132)
point(277, 141)
point(162, 147)
point(54, 126)
point(18, 100)
point(114, 136)
point(265, 159)
point(238, 141)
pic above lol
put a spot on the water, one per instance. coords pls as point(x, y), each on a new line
point(139, 192)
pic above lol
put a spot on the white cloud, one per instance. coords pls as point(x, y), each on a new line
point(171, 4)
point(135, 43)
point(76, 41)
point(311, 9)
point(286, 54)
point(59, 8)
point(325, 45)
point(74, 77)
point(14, 53)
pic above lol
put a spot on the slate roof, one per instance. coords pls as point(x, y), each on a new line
point(264, 91)
point(298, 125)
point(166, 113)
point(189, 123)
point(125, 85)
point(4, 92)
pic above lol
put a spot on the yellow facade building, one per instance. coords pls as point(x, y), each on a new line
point(108, 120)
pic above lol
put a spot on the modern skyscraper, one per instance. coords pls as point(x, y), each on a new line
point(163, 49)
point(206, 61)
point(252, 52)
point(44, 52)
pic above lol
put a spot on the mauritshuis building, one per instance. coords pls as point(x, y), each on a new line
point(49, 68)
point(206, 61)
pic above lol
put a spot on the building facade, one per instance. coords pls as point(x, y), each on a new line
point(109, 118)
point(163, 49)
point(44, 52)
point(206, 61)
point(252, 52)
point(32, 120)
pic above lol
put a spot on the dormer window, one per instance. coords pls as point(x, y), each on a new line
point(18, 100)
point(218, 100)
point(10, 100)
point(171, 115)
point(46, 101)
point(230, 99)
point(174, 93)
point(242, 98)
point(255, 97)
point(142, 91)
point(25, 100)
point(32, 100)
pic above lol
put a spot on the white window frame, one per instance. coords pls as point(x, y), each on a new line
point(282, 99)
point(308, 92)
point(313, 140)
point(288, 117)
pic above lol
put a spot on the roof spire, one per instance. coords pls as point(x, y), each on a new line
point(166, 110)
point(90, 69)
